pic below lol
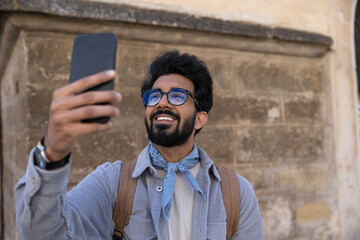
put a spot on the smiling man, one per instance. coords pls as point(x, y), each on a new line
point(178, 193)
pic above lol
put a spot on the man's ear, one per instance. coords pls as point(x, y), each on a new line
point(201, 119)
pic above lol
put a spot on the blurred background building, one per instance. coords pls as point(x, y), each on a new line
point(285, 106)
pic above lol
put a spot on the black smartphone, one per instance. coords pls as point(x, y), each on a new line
point(93, 53)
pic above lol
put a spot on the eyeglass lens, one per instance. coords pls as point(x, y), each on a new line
point(176, 97)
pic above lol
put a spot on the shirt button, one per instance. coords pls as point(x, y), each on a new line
point(159, 188)
point(33, 179)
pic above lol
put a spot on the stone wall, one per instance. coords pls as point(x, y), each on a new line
point(270, 121)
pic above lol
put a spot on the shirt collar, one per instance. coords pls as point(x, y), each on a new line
point(208, 164)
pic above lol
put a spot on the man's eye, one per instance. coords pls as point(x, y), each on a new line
point(153, 97)
point(178, 96)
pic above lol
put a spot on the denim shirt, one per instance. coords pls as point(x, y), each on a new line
point(45, 210)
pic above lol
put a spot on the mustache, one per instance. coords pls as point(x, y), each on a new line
point(154, 114)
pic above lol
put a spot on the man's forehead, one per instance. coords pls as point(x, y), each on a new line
point(168, 82)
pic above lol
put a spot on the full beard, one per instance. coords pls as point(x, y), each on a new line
point(158, 134)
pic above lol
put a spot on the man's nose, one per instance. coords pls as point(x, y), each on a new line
point(164, 101)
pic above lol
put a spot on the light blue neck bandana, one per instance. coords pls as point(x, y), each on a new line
point(183, 167)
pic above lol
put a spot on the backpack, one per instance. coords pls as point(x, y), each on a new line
point(126, 191)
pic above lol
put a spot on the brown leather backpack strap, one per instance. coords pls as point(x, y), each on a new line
point(231, 195)
point(125, 197)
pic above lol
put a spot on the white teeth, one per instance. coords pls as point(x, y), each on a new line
point(165, 118)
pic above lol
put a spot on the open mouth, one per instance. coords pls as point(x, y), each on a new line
point(161, 119)
point(164, 117)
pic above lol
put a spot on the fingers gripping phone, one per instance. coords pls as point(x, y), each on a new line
point(94, 53)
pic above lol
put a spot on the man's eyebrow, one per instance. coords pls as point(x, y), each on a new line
point(159, 89)
point(169, 90)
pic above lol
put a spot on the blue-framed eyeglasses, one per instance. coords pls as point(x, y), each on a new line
point(176, 96)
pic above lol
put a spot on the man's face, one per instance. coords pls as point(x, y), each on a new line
point(168, 125)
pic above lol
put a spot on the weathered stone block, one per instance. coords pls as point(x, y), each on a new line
point(309, 178)
point(327, 235)
point(279, 144)
point(259, 178)
point(303, 109)
point(218, 143)
point(39, 99)
point(272, 75)
point(266, 76)
point(302, 238)
point(9, 181)
point(220, 67)
point(14, 116)
point(313, 212)
point(131, 66)
point(312, 79)
point(95, 149)
point(49, 59)
point(15, 149)
point(132, 110)
point(13, 93)
point(313, 220)
point(36, 130)
point(246, 108)
point(277, 217)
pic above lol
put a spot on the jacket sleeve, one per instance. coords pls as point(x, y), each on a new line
point(45, 210)
point(250, 225)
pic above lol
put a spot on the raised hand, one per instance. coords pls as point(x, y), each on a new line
point(69, 105)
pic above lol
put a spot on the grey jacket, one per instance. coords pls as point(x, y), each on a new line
point(45, 210)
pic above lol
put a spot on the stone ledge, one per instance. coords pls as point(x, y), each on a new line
point(126, 13)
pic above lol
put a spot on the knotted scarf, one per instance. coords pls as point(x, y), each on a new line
point(183, 167)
